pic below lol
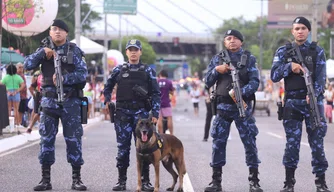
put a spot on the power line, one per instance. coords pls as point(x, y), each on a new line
point(206, 9)
point(152, 21)
point(162, 12)
point(191, 15)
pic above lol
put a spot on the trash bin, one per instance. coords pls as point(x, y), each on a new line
point(4, 119)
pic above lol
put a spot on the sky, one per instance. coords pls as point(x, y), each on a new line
point(224, 9)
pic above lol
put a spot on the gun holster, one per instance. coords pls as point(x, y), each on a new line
point(112, 109)
point(213, 103)
point(280, 110)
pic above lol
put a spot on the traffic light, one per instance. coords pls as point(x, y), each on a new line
point(161, 60)
point(176, 41)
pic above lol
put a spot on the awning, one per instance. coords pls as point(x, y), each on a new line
point(9, 56)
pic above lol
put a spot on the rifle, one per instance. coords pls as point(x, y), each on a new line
point(59, 76)
point(314, 110)
point(237, 96)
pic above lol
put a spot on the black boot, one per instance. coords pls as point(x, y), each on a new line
point(253, 179)
point(146, 185)
point(77, 184)
point(215, 185)
point(289, 180)
point(44, 184)
point(121, 185)
point(320, 183)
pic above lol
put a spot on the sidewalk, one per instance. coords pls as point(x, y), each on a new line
point(18, 140)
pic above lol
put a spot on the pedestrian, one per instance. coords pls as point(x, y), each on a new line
point(219, 73)
point(209, 114)
point(23, 96)
point(74, 72)
point(195, 95)
point(14, 84)
point(329, 95)
point(35, 91)
point(137, 94)
point(166, 88)
point(296, 107)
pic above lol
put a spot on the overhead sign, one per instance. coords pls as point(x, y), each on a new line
point(281, 13)
point(128, 7)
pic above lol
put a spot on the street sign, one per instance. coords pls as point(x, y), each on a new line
point(120, 7)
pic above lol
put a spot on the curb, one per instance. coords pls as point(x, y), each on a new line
point(18, 140)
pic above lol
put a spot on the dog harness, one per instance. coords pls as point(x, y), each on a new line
point(158, 145)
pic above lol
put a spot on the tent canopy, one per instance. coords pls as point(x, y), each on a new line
point(9, 56)
point(89, 46)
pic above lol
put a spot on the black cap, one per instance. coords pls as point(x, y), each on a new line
point(133, 43)
point(61, 24)
point(235, 33)
point(303, 20)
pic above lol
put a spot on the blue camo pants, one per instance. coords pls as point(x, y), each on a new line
point(293, 131)
point(72, 131)
point(221, 130)
point(125, 125)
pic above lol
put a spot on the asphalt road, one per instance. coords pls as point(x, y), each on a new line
point(20, 170)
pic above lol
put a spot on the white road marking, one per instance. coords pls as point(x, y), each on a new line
point(275, 135)
point(187, 186)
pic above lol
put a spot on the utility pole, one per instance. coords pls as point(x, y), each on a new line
point(105, 56)
point(261, 48)
point(0, 41)
point(120, 33)
point(77, 22)
point(315, 20)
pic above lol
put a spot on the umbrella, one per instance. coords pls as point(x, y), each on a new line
point(9, 56)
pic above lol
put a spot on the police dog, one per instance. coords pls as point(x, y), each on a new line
point(154, 148)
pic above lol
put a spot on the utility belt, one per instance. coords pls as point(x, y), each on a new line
point(70, 94)
point(300, 96)
point(128, 105)
point(229, 100)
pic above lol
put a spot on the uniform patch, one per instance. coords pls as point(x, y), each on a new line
point(133, 41)
point(276, 59)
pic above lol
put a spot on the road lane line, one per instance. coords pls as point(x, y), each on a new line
point(275, 135)
point(187, 186)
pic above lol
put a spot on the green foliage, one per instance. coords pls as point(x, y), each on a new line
point(148, 55)
point(196, 65)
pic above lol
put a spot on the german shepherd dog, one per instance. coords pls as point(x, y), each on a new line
point(154, 147)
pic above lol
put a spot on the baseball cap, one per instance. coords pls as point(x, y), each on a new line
point(133, 43)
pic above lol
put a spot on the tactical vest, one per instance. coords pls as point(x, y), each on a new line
point(128, 79)
point(295, 81)
point(48, 68)
point(224, 82)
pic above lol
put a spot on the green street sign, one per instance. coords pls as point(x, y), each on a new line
point(120, 7)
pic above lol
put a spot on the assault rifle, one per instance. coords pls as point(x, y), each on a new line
point(314, 110)
point(237, 96)
point(59, 76)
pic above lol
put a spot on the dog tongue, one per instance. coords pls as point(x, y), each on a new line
point(144, 137)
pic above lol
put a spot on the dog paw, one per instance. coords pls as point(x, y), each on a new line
point(170, 189)
point(180, 190)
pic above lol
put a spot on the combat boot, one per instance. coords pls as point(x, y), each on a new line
point(215, 185)
point(289, 180)
point(253, 179)
point(77, 184)
point(320, 183)
point(146, 185)
point(45, 183)
point(121, 184)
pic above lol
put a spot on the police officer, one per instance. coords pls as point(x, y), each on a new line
point(74, 72)
point(137, 93)
point(296, 103)
point(219, 72)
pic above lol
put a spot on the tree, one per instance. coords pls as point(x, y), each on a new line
point(66, 11)
point(148, 56)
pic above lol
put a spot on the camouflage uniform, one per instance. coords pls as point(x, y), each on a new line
point(126, 119)
point(228, 112)
point(293, 127)
point(69, 113)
